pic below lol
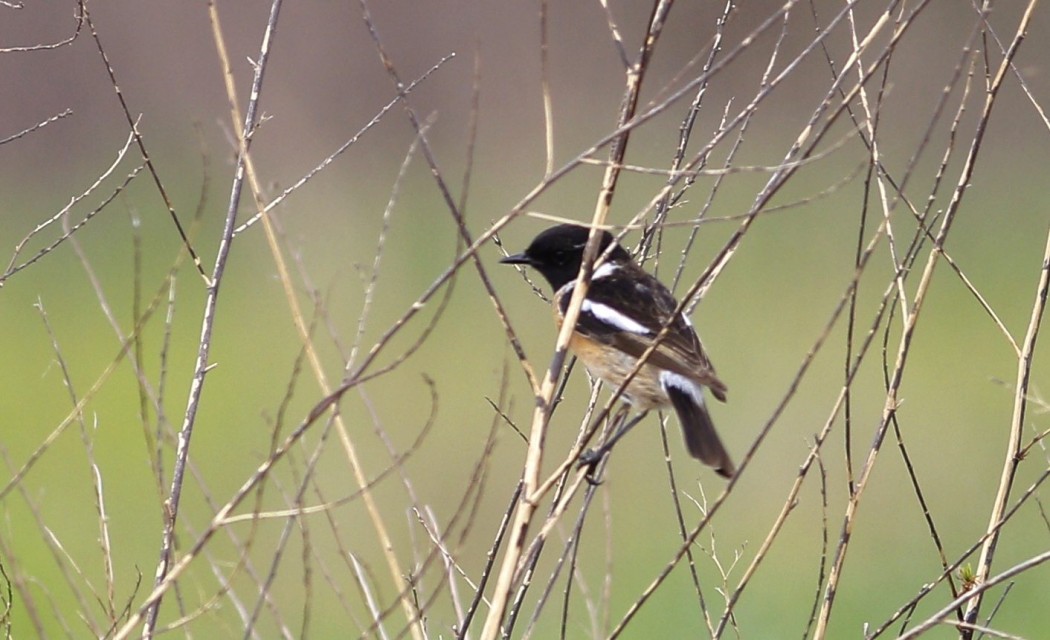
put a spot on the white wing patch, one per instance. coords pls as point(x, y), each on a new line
point(682, 383)
point(612, 317)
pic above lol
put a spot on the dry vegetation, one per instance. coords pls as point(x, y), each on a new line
point(492, 561)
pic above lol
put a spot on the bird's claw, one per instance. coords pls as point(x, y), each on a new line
point(590, 459)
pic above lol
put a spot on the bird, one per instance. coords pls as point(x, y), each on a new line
point(624, 311)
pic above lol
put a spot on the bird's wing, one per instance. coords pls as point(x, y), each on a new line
point(627, 308)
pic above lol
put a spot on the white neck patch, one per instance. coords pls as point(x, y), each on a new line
point(605, 270)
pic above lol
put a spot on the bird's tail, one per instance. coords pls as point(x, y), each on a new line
point(700, 436)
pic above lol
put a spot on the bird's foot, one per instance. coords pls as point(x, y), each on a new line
point(590, 459)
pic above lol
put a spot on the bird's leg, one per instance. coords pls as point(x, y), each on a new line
point(592, 457)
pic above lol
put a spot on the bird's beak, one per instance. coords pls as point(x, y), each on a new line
point(517, 258)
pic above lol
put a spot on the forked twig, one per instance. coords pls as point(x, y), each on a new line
point(14, 267)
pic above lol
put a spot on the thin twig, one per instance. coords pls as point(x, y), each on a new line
point(133, 123)
point(1013, 449)
point(40, 125)
point(527, 507)
point(13, 268)
point(78, 15)
point(203, 363)
point(967, 627)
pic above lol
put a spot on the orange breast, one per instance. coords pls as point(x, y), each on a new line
point(612, 366)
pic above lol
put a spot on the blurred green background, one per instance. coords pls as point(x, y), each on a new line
point(759, 320)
